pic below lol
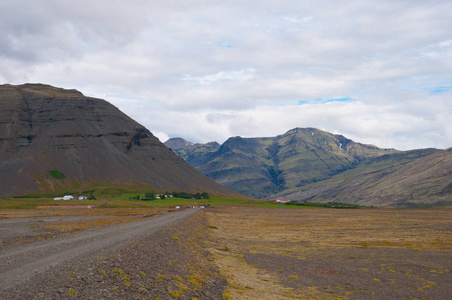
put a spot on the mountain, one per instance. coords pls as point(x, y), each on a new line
point(194, 154)
point(53, 139)
point(264, 167)
point(406, 179)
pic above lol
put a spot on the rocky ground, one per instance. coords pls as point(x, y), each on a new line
point(170, 263)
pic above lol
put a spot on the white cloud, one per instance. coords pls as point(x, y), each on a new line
point(389, 125)
point(222, 76)
point(207, 70)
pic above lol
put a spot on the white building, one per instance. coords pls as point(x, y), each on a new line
point(282, 201)
point(68, 197)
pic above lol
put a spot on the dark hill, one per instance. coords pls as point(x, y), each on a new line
point(87, 141)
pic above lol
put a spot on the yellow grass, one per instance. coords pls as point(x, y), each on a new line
point(307, 233)
point(72, 220)
point(119, 212)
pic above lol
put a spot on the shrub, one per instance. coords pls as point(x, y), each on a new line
point(149, 195)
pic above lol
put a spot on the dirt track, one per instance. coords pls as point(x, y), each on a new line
point(20, 263)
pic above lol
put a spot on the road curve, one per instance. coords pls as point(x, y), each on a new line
point(20, 262)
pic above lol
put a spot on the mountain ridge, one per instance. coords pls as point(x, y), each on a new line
point(264, 166)
point(307, 164)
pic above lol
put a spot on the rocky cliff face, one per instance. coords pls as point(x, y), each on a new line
point(44, 128)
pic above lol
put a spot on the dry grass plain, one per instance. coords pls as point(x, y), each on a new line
point(28, 225)
point(269, 253)
point(333, 254)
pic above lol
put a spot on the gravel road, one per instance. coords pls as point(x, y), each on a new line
point(20, 262)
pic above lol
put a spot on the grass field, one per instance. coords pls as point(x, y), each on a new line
point(125, 201)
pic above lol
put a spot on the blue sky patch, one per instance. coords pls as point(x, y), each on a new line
point(440, 89)
point(321, 100)
point(224, 45)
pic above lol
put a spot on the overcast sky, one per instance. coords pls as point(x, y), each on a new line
point(378, 72)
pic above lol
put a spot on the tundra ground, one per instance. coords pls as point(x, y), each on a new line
point(333, 254)
point(263, 253)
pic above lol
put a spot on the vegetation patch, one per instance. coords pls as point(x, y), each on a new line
point(327, 205)
point(56, 174)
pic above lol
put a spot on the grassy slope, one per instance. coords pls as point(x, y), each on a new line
point(403, 179)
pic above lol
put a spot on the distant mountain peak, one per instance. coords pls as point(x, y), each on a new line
point(178, 143)
point(188, 151)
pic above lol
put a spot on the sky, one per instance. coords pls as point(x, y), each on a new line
point(378, 72)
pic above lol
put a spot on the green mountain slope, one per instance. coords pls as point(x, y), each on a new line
point(263, 167)
point(405, 179)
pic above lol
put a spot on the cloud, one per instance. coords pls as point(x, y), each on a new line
point(222, 76)
point(375, 71)
point(34, 31)
point(390, 126)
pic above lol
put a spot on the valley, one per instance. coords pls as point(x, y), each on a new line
point(55, 141)
point(80, 216)
point(234, 250)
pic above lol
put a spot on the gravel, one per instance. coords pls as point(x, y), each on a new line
point(159, 258)
point(374, 273)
